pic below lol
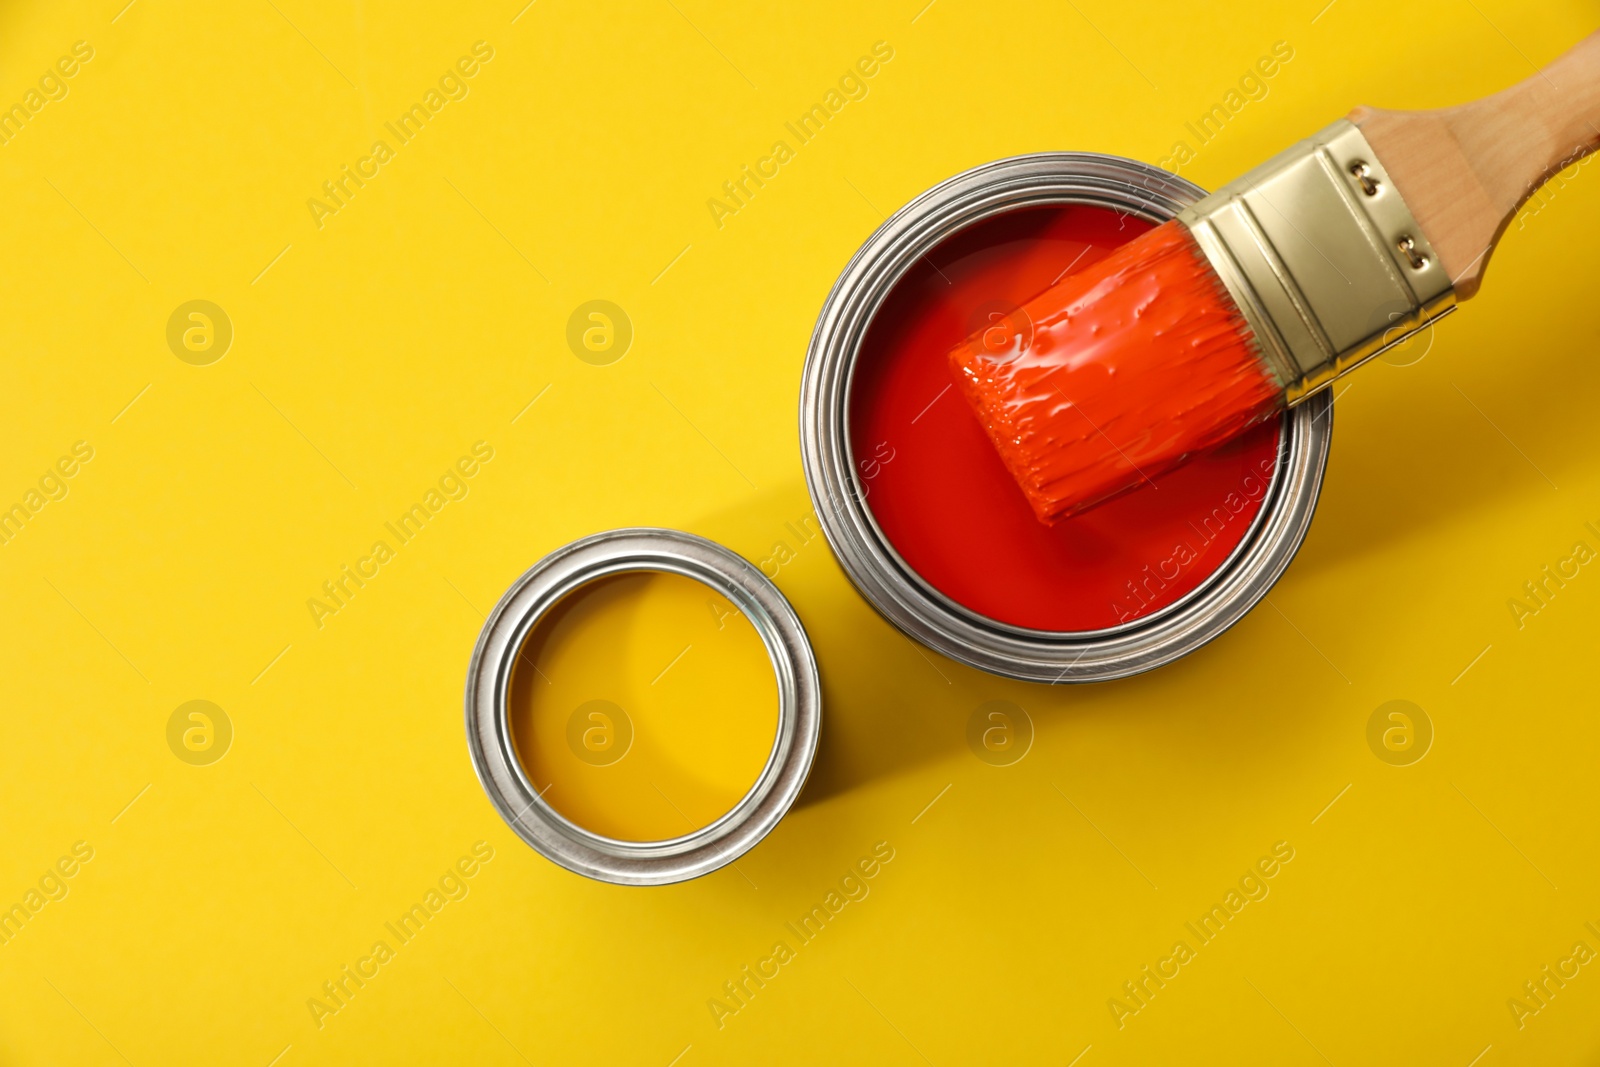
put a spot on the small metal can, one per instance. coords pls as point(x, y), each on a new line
point(837, 491)
point(501, 772)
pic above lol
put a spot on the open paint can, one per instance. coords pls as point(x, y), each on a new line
point(669, 775)
point(917, 505)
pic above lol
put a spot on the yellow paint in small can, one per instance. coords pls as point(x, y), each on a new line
point(644, 706)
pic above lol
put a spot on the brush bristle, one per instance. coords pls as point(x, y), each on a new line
point(1116, 375)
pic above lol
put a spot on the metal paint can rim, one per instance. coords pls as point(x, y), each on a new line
point(541, 588)
point(887, 582)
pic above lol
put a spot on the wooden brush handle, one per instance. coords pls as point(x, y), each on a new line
point(1464, 171)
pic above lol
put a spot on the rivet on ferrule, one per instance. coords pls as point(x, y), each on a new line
point(1363, 175)
point(1408, 245)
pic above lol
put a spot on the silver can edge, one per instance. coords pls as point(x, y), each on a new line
point(708, 848)
point(868, 559)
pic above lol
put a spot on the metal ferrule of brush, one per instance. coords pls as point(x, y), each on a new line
point(1323, 258)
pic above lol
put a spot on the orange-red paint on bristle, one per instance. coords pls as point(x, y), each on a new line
point(1112, 377)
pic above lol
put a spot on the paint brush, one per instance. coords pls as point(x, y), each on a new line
point(1262, 294)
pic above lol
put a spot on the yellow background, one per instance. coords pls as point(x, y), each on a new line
point(371, 353)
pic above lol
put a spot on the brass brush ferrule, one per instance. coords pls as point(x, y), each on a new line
point(1323, 258)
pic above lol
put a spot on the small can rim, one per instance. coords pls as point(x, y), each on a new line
point(500, 771)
